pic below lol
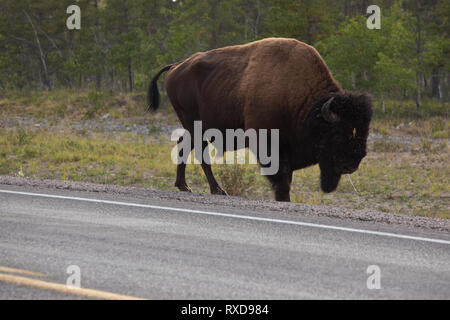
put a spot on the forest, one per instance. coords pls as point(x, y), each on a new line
point(121, 43)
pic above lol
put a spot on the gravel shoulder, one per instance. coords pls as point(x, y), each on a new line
point(285, 209)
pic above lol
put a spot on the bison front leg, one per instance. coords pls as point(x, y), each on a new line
point(281, 181)
point(213, 185)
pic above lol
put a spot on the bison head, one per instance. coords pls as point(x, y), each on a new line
point(343, 130)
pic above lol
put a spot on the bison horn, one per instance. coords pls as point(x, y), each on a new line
point(327, 114)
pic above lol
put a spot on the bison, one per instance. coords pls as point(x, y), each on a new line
point(274, 83)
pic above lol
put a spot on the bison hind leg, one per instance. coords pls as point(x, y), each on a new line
point(180, 181)
point(213, 185)
point(219, 191)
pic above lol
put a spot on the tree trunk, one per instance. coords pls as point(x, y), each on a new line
point(245, 29)
point(308, 29)
point(418, 93)
point(257, 19)
point(130, 74)
point(214, 24)
point(98, 75)
point(46, 80)
point(346, 7)
point(364, 6)
point(435, 83)
point(419, 58)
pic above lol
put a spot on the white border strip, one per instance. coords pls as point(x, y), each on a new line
point(228, 215)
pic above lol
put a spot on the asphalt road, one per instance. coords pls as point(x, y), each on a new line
point(171, 249)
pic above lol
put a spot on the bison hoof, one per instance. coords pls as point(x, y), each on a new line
point(219, 191)
point(183, 187)
point(283, 198)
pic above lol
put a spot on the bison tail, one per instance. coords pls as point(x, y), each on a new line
point(153, 93)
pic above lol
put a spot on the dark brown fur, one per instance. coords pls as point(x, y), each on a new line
point(274, 83)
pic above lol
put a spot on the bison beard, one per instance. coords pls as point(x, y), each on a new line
point(329, 179)
point(273, 83)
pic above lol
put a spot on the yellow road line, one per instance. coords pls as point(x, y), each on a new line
point(89, 293)
point(20, 271)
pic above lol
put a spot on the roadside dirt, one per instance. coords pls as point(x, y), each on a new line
point(241, 203)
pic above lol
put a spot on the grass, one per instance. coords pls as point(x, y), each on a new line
point(406, 170)
point(118, 160)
